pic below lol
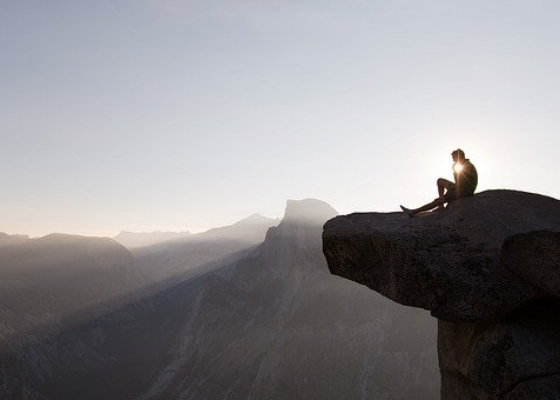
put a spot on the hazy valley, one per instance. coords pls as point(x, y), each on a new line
point(246, 311)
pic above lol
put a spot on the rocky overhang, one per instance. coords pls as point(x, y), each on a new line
point(454, 262)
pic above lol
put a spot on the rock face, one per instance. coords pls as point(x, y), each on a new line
point(535, 257)
point(488, 268)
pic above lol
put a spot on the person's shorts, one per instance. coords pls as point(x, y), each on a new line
point(453, 193)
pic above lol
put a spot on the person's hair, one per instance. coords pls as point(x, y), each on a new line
point(459, 154)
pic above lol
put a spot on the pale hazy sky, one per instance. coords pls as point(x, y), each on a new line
point(174, 115)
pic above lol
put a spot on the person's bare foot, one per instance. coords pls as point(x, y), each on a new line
point(407, 211)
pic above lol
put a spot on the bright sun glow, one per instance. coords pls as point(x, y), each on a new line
point(457, 167)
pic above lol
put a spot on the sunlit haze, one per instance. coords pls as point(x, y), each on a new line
point(185, 115)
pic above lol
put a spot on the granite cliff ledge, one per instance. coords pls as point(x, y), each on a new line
point(488, 267)
point(451, 262)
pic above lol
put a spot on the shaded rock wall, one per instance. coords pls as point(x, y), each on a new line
point(519, 354)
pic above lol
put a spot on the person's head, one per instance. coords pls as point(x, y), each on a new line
point(458, 155)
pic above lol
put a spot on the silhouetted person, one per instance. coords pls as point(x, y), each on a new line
point(466, 179)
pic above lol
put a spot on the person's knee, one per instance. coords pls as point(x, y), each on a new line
point(444, 183)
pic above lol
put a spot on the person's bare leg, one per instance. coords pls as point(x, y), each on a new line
point(442, 185)
point(439, 202)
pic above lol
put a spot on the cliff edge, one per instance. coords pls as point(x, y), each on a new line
point(488, 267)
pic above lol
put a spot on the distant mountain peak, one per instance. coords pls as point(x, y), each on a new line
point(309, 210)
point(62, 237)
point(11, 240)
point(255, 219)
point(68, 239)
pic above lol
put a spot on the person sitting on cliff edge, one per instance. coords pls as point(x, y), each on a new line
point(466, 179)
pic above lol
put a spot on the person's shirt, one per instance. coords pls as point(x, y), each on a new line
point(467, 179)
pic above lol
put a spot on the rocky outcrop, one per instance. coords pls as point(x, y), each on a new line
point(488, 267)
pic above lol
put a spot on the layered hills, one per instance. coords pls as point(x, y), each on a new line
point(166, 262)
point(47, 280)
point(265, 321)
point(133, 240)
